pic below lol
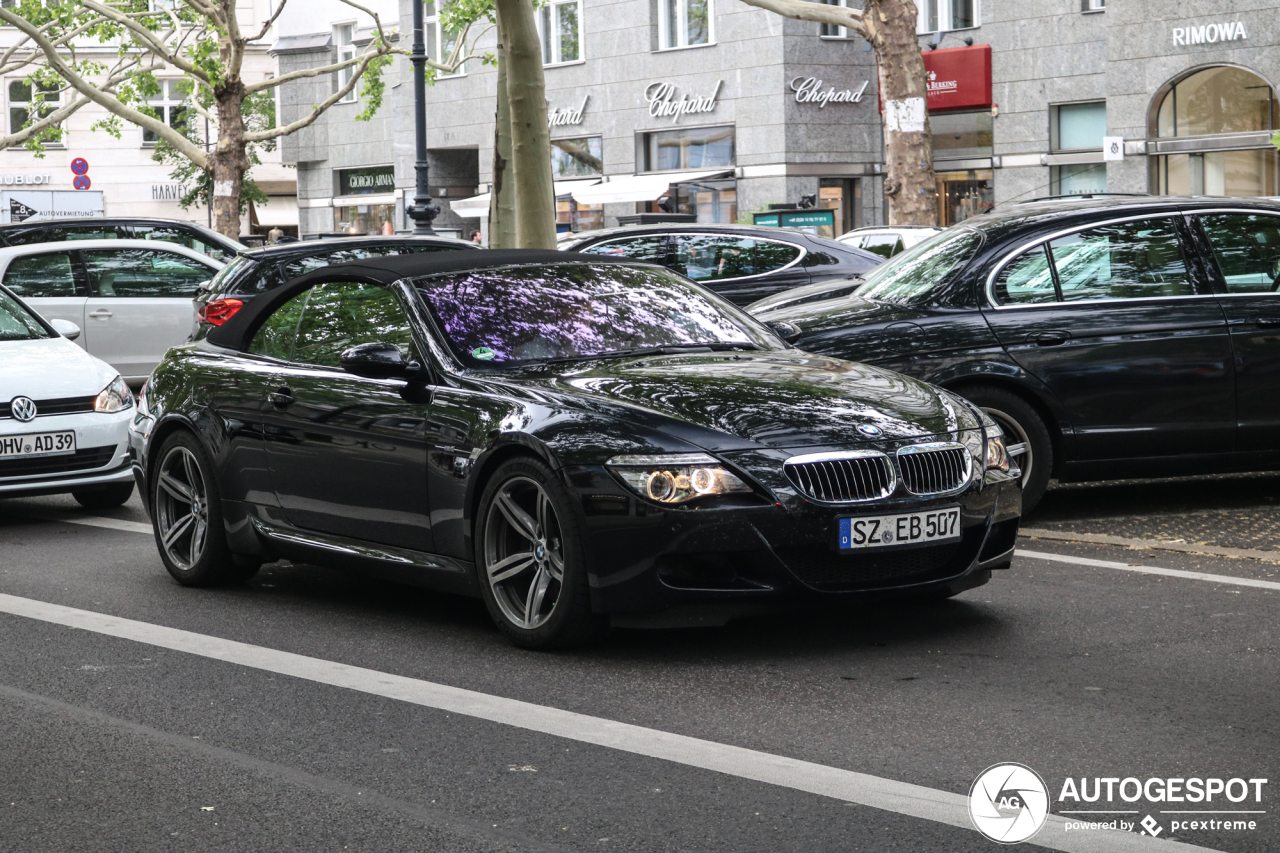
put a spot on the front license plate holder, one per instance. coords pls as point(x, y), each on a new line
point(898, 530)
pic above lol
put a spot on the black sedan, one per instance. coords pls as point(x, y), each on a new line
point(742, 263)
point(568, 437)
point(1109, 339)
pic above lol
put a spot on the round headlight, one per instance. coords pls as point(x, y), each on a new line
point(661, 486)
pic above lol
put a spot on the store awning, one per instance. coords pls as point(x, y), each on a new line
point(478, 205)
point(622, 188)
point(277, 210)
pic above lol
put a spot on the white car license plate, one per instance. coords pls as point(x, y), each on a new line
point(38, 444)
point(913, 528)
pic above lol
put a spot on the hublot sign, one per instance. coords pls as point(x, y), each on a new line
point(661, 100)
point(809, 91)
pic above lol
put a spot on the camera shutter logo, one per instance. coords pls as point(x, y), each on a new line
point(1008, 803)
point(23, 409)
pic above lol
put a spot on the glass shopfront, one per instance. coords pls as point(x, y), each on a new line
point(365, 219)
point(964, 194)
point(688, 148)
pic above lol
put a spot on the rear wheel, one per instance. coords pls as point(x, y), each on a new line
point(187, 517)
point(106, 498)
point(530, 559)
point(1025, 434)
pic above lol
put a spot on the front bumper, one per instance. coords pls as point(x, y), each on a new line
point(646, 558)
point(101, 458)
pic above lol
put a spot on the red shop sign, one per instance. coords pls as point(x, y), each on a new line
point(959, 78)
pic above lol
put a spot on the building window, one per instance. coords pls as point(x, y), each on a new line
point(685, 23)
point(1093, 5)
point(1218, 173)
point(831, 31)
point(167, 105)
point(364, 219)
point(577, 158)
point(571, 216)
point(961, 135)
point(345, 37)
point(943, 15)
point(23, 103)
point(560, 25)
point(1077, 127)
point(440, 41)
point(1216, 100)
point(1078, 179)
point(710, 201)
point(688, 148)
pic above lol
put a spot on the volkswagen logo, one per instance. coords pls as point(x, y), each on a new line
point(868, 429)
point(23, 408)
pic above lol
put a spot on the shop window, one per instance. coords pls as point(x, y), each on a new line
point(365, 219)
point(831, 31)
point(689, 148)
point(961, 134)
point(964, 194)
point(710, 201)
point(1218, 173)
point(1216, 100)
point(441, 42)
point(943, 15)
point(1077, 127)
point(167, 104)
point(1079, 179)
point(571, 216)
point(685, 23)
point(577, 158)
point(27, 99)
point(560, 26)
point(344, 36)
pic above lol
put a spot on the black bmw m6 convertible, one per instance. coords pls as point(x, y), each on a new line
point(566, 436)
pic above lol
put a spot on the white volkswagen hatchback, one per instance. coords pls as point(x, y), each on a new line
point(64, 415)
point(131, 298)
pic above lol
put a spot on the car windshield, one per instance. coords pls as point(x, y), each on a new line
point(578, 311)
point(910, 276)
point(16, 322)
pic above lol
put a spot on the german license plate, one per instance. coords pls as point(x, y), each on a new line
point(38, 444)
point(913, 528)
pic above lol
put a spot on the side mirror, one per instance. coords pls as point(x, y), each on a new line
point(376, 361)
point(66, 328)
point(789, 332)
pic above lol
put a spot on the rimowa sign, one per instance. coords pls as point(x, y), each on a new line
point(1209, 33)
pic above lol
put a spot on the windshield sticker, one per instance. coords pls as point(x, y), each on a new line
point(482, 354)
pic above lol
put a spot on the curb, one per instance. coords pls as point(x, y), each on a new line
point(1152, 544)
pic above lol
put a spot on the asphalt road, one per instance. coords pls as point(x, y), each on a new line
point(123, 742)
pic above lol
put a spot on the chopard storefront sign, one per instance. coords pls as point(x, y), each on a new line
point(809, 90)
point(567, 115)
point(661, 98)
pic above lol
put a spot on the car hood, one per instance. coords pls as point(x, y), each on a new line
point(840, 312)
point(722, 401)
point(50, 369)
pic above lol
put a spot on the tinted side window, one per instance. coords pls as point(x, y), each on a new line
point(708, 258)
point(275, 336)
point(144, 272)
point(1026, 280)
point(182, 237)
point(770, 256)
point(1247, 248)
point(881, 244)
point(651, 249)
point(84, 232)
point(1129, 260)
point(41, 275)
point(339, 315)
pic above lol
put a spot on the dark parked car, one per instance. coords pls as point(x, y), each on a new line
point(256, 271)
point(568, 437)
point(742, 263)
point(187, 234)
point(1109, 338)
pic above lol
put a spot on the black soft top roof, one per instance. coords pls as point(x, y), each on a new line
point(236, 332)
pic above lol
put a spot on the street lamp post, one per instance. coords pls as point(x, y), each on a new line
point(422, 211)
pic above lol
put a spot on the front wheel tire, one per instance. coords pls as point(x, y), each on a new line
point(106, 498)
point(187, 517)
point(530, 559)
point(1025, 434)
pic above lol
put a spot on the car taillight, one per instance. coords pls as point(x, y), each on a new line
point(219, 311)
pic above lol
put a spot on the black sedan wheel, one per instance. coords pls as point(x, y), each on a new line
point(530, 558)
point(187, 517)
point(1025, 435)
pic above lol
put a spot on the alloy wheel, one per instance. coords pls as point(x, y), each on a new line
point(523, 551)
point(182, 507)
point(1017, 442)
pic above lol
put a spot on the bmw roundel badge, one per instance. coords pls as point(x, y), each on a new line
point(869, 430)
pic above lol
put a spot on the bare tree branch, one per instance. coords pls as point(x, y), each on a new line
point(277, 132)
point(146, 38)
point(262, 32)
point(803, 10)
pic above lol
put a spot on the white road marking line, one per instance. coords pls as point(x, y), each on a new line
point(847, 785)
point(1147, 570)
point(95, 521)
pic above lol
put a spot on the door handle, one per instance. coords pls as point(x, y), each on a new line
point(101, 312)
point(1268, 322)
point(281, 398)
point(1051, 339)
